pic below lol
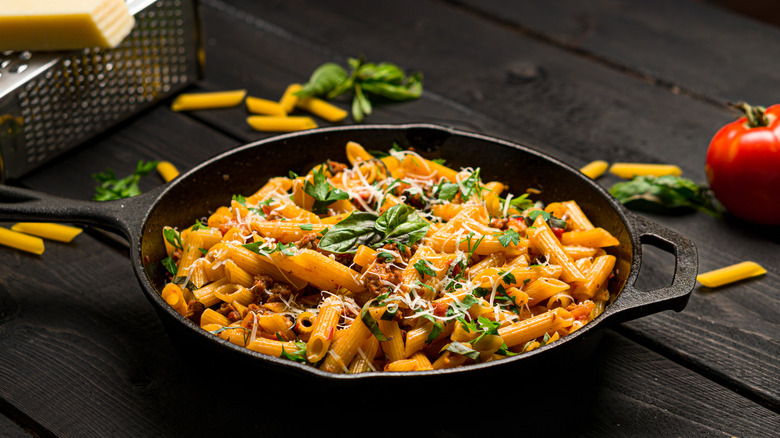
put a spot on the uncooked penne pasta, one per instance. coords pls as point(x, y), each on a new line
point(208, 100)
point(281, 123)
point(594, 169)
point(256, 105)
point(321, 108)
point(630, 170)
point(167, 170)
point(289, 99)
point(730, 274)
point(58, 232)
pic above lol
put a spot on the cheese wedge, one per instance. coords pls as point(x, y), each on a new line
point(42, 25)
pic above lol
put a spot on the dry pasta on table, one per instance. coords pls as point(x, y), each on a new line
point(389, 263)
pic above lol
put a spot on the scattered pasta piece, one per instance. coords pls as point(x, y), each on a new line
point(21, 241)
point(208, 100)
point(167, 170)
point(256, 105)
point(731, 274)
point(595, 169)
point(323, 109)
point(289, 98)
point(630, 170)
point(58, 232)
point(281, 124)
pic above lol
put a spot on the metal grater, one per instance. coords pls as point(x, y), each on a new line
point(52, 102)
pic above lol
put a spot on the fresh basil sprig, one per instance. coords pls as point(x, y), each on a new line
point(366, 79)
point(399, 224)
point(664, 194)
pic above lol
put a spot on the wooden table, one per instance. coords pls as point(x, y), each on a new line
point(82, 352)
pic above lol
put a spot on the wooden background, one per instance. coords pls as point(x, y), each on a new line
point(82, 352)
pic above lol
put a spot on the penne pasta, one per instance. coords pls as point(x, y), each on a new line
point(731, 274)
point(321, 108)
point(630, 170)
point(208, 100)
point(167, 170)
point(281, 123)
point(289, 99)
point(58, 232)
point(256, 105)
point(391, 264)
point(594, 169)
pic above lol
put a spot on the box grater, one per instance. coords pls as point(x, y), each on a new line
point(51, 102)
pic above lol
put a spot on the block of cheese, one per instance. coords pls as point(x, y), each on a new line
point(63, 24)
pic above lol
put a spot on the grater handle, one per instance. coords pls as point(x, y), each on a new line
point(122, 216)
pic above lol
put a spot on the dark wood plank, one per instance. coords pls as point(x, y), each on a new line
point(11, 429)
point(568, 106)
point(95, 349)
point(82, 353)
point(157, 134)
point(688, 46)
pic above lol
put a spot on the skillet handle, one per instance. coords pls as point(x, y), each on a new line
point(633, 303)
point(123, 216)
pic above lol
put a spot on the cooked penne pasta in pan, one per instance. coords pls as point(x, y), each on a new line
point(389, 263)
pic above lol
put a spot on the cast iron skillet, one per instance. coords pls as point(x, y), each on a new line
point(243, 170)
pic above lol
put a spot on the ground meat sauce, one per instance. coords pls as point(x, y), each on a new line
point(379, 275)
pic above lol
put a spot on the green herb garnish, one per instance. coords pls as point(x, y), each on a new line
point(170, 265)
point(110, 187)
point(399, 224)
point(424, 268)
point(508, 237)
point(366, 82)
point(323, 192)
point(665, 194)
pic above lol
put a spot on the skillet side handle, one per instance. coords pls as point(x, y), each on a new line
point(123, 216)
point(633, 303)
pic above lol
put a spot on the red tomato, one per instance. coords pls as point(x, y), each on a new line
point(743, 165)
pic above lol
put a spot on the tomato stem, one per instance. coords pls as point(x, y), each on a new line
point(756, 115)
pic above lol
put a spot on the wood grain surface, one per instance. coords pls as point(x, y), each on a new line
point(83, 354)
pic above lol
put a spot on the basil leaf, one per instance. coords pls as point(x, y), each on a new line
point(173, 237)
point(436, 330)
point(411, 90)
point(461, 349)
point(382, 72)
point(170, 265)
point(323, 80)
point(371, 323)
point(664, 194)
point(361, 106)
point(424, 268)
point(446, 191)
point(355, 230)
point(401, 224)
